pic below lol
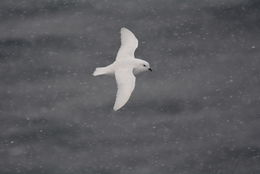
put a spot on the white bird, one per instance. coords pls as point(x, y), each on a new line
point(124, 68)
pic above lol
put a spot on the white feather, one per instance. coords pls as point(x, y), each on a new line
point(129, 43)
point(123, 68)
point(125, 80)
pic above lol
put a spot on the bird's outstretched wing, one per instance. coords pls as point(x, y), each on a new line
point(125, 80)
point(129, 43)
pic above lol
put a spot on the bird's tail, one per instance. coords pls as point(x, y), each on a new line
point(100, 71)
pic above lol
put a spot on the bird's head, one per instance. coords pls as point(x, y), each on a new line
point(142, 65)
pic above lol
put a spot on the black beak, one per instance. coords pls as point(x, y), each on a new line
point(150, 69)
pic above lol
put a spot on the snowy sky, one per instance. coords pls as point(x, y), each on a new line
point(197, 112)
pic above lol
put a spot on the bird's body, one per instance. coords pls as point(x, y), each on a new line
point(124, 68)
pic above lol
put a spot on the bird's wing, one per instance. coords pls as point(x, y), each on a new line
point(129, 43)
point(125, 80)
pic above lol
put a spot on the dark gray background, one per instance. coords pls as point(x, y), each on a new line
point(196, 113)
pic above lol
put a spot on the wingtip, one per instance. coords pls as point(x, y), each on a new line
point(123, 29)
point(115, 108)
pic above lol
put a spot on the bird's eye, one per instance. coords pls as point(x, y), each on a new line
point(144, 65)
